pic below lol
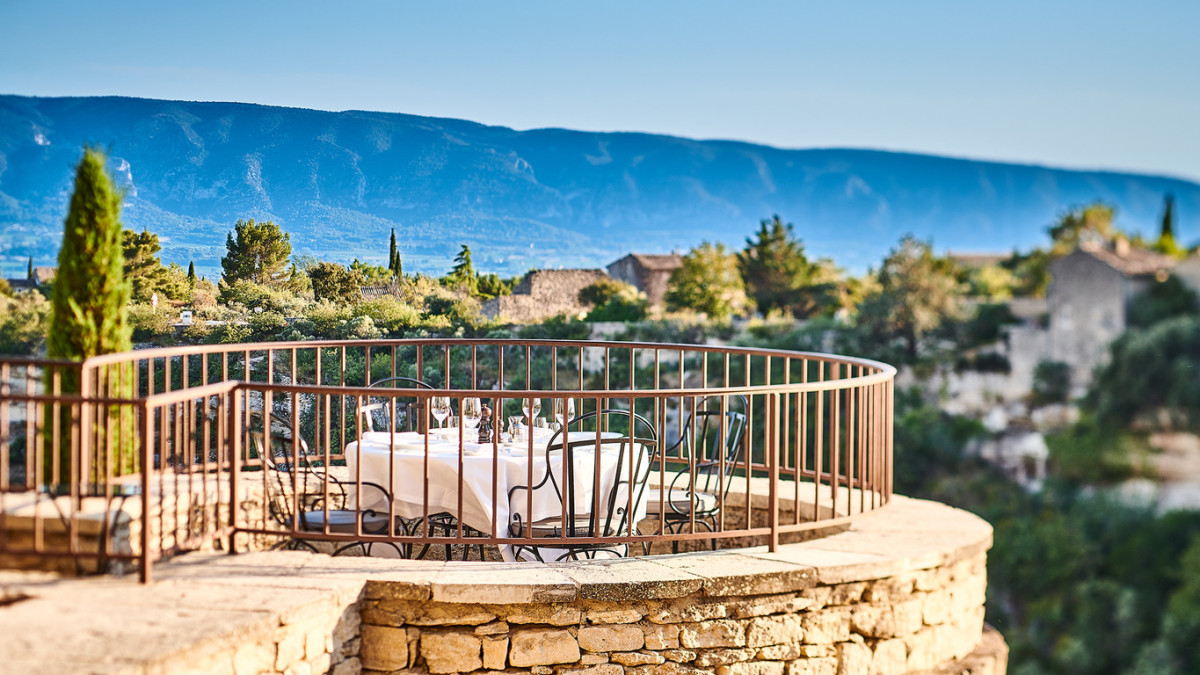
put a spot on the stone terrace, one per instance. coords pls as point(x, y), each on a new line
point(900, 591)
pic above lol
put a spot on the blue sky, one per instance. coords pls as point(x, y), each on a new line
point(1093, 84)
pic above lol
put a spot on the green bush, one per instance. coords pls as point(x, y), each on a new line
point(1051, 382)
point(150, 325)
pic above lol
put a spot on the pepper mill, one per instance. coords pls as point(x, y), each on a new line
point(485, 425)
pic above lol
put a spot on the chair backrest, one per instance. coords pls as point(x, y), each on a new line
point(712, 437)
point(294, 484)
point(379, 409)
point(630, 474)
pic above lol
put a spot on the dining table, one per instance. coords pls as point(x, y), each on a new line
point(429, 473)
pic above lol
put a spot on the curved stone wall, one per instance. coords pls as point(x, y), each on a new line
point(901, 591)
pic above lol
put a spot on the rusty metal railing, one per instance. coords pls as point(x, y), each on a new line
point(336, 446)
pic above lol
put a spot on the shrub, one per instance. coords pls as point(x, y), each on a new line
point(1051, 382)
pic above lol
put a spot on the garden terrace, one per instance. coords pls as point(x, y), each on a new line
point(130, 458)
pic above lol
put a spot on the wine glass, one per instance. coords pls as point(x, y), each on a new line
point(471, 411)
point(564, 409)
point(439, 407)
point(531, 407)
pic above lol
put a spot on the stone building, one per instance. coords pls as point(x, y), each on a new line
point(1090, 291)
point(542, 294)
point(649, 273)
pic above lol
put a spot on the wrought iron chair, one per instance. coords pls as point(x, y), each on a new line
point(713, 440)
point(303, 497)
point(614, 517)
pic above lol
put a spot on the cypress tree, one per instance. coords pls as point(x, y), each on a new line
point(88, 301)
point(393, 255)
point(1166, 243)
point(191, 274)
point(29, 274)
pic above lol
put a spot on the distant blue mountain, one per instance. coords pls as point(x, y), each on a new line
point(338, 182)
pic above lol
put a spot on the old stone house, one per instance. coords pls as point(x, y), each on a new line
point(1090, 293)
point(647, 272)
point(543, 294)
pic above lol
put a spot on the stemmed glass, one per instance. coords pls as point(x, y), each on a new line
point(564, 409)
point(531, 407)
point(471, 410)
point(439, 407)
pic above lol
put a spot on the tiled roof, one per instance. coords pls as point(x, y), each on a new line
point(658, 261)
point(44, 274)
point(1131, 261)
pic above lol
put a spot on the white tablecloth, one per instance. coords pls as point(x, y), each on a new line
point(410, 471)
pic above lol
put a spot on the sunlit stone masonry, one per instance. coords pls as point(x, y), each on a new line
point(899, 591)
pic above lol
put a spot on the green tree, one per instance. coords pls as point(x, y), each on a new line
point(778, 275)
point(371, 275)
point(491, 285)
point(144, 270)
point(394, 264)
point(335, 283)
point(90, 294)
point(257, 252)
point(191, 275)
point(1087, 224)
point(1166, 243)
point(708, 281)
point(917, 293)
point(29, 274)
point(463, 273)
point(613, 300)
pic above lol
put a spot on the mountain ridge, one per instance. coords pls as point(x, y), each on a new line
point(338, 181)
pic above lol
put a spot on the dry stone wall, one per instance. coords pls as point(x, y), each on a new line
point(909, 622)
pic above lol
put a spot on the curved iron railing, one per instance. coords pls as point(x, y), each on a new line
point(174, 426)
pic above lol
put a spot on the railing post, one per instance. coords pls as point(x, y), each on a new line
point(147, 465)
point(773, 469)
point(234, 439)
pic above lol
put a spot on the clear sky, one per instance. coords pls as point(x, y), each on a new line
point(1080, 83)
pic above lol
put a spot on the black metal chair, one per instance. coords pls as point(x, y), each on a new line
point(303, 497)
point(713, 440)
point(614, 516)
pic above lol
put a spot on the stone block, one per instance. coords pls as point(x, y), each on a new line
point(679, 655)
point(688, 609)
point(610, 614)
point(709, 634)
point(732, 574)
point(512, 583)
point(722, 657)
point(301, 668)
point(554, 614)
point(892, 589)
point(400, 612)
point(936, 607)
point(753, 668)
point(818, 596)
point(600, 669)
point(885, 621)
point(889, 658)
point(495, 652)
point(493, 628)
point(383, 648)
point(351, 666)
point(774, 630)
point(628, 579)
point(638, 658)
point(542, 647)
point(763, 605)
point(780, 653)
point(290, 649)
point(922, 650)
point(826, 626)
point(661, 636)
point(252, 658)
point(613, 638)
point(818, 651)
point(823, 666)
point(451, 651)
point(668, 668)
point(854, 656)
point(593, 659)
point(847, 594)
